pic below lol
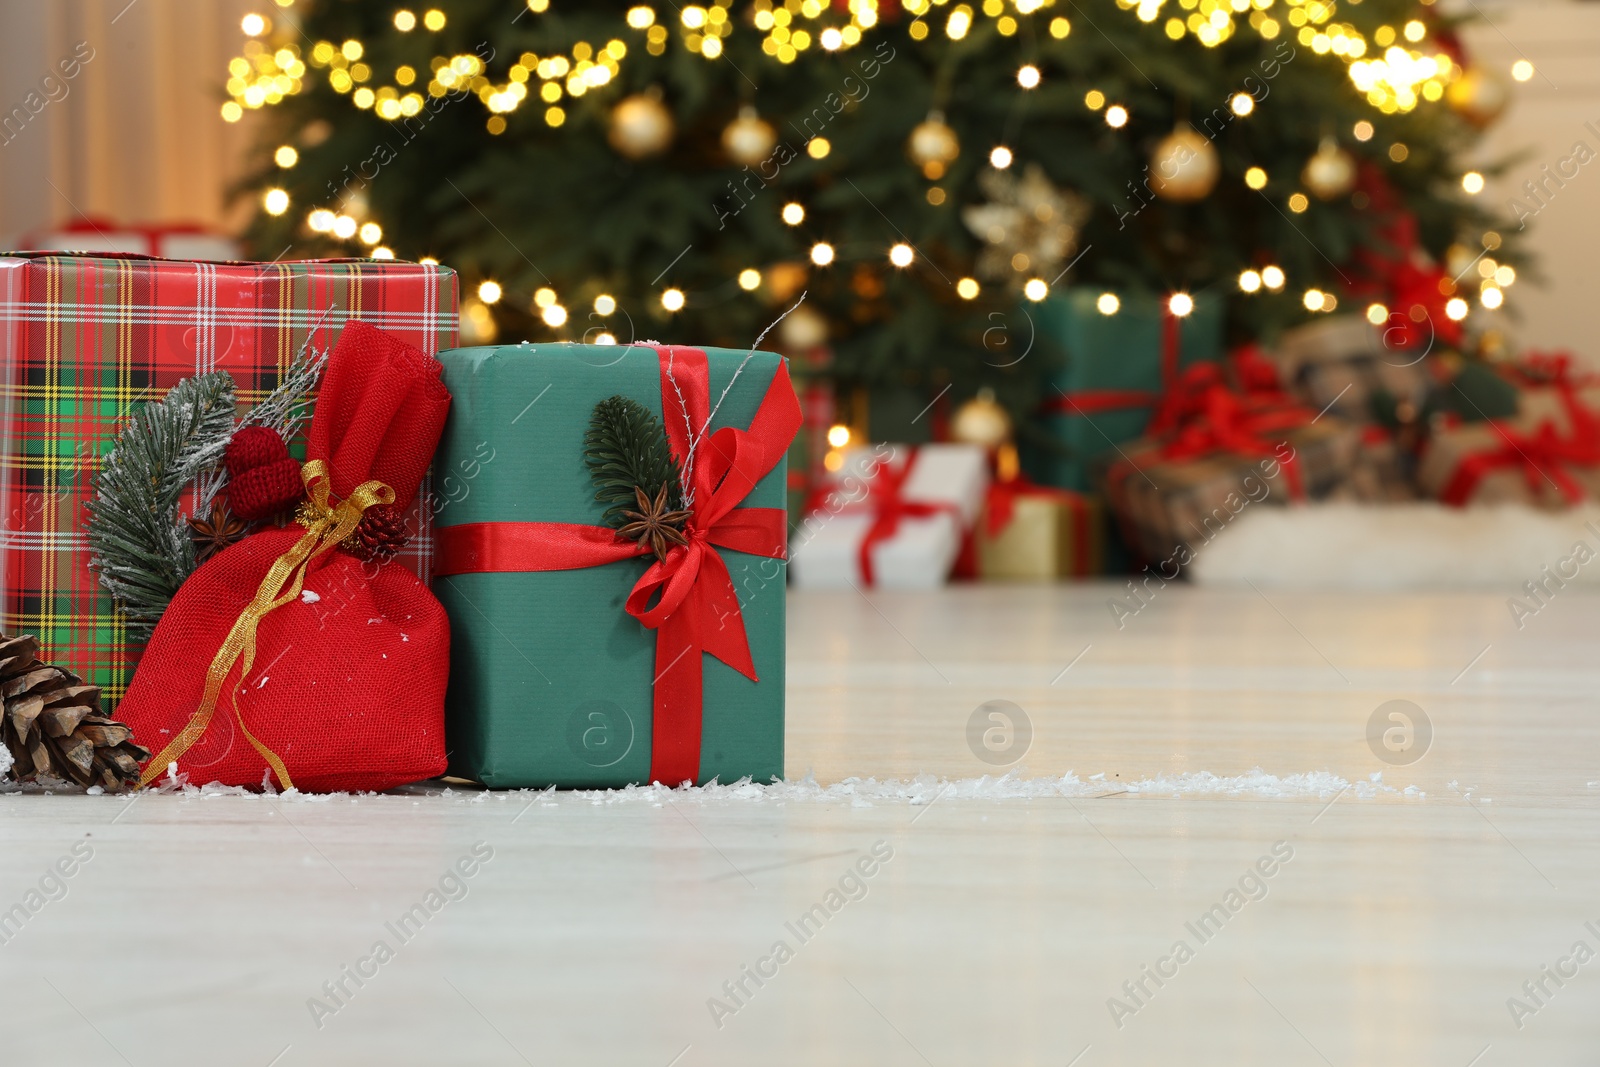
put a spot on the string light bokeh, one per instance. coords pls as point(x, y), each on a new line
point(1397, 68)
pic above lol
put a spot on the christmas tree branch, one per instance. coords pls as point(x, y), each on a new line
point(626, 449)
point(142, 551)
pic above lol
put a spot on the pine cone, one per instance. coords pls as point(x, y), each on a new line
point(51, 723)
point(381, 533)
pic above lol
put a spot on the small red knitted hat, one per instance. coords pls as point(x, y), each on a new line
point(262, 479)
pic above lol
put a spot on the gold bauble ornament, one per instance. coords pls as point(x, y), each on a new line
point(749, 139)
point(1184, 166)
point(933, 142)
point(641, 126)
point(1330, 172)
point(802, 329)
point(1479, 96)
point(981, 421)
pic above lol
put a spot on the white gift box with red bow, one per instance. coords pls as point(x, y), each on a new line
point(893, 517)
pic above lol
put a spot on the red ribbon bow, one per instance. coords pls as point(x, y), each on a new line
point(1551, 369)
point(1544, 455)
point(886, 501)
point(1201, 415)
point(695, 609)
point(886, 497)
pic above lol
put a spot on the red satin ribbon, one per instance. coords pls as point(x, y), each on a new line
point(1202, 416)
point(1093, 401)
point(1548, 369)
point(1205, 416)
point(688, 598)
point(1544, 454)
point(886, 499)
point(1171, 342)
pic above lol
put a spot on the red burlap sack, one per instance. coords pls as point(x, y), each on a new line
point(345, 685)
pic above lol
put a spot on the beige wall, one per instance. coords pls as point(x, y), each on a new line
point(1546, 118)
point(138, 136)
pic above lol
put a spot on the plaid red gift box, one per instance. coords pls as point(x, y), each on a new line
point(86, 338)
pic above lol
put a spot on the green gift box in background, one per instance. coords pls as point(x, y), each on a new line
point(1116, 358)
point(552, 681)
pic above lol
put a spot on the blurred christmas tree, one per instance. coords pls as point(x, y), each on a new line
point(610, 171)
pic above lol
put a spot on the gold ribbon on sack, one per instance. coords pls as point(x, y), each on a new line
point(326, 525)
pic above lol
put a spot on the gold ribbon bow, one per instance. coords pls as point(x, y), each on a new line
point(326, 526)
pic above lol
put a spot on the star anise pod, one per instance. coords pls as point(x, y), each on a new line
point(213, 535)
point(653, 524)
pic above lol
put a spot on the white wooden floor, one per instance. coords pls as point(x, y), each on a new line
point(1393, 928)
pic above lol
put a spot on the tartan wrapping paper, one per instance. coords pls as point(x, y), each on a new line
point(1163, 504)
point(1449, 445)
point(1342, 365)
point(85, 338)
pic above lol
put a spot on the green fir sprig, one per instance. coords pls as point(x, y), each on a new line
point(626, 449)
point(142, 549)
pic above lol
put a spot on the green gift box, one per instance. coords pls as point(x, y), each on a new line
point(552, 681)
point(1113, 366)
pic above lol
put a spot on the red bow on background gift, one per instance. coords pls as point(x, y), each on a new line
point(1202, 415)
point(1257, 376)
point(886, 500)
point(1557, 369)
point(1544, 455)
point(697, 609)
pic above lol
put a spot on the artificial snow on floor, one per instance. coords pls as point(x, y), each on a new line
point(923, 789)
